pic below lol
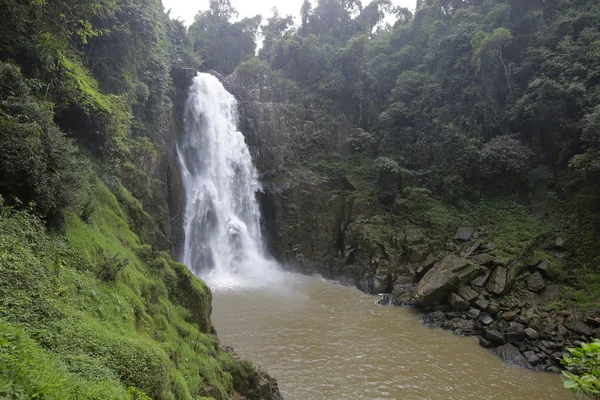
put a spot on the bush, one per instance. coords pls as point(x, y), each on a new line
point(583, 370)
point(503, 155)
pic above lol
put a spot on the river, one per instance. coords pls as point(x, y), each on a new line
point(322, 340)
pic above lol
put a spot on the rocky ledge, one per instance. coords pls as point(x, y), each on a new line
point(509, 306)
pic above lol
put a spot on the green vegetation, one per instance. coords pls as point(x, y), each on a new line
point(94, 314)
point(583, 370)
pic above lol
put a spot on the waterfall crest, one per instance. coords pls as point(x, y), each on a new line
point(223, 241)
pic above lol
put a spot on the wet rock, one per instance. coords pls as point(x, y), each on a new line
point(464, 233)
point(473, 313)
point(486, 319)
point(460, 326)
point(480, 280)
point(467, 293)
point(494, 336)
point(458, 303)
point(580, 327)
point(562, 330)
point(536, 283)
point(483, 342)
point(444, 278)
point(515, 327)
point(406, 300)
point(386, 299)
point(511, 337)
point(482, 259)
point(493, 308)
point(434, 319)
point(511, 355)
point(533, 359)
point(549, 345)
point(509, 315)
point(482, 304)
point(497, 281)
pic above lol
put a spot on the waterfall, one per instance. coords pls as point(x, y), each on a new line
point(223, 242)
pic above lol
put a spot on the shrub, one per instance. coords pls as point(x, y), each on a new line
point(583, 370)
point(503, 155)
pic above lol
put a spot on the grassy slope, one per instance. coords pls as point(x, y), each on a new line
point(74, 325)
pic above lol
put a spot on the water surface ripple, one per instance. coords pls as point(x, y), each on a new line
point(322, 340)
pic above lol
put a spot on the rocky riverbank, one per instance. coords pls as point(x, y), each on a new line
point(510, 306)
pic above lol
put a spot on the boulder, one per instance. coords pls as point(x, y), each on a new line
point(512, 272)
point(414, 234)
point(458, 303)
point(464, 233)
point(511, 355)
point(444, 278)
point(473, 313)
point(509, 315)
point(482, 304)
point(500, 262)
point(434, 319)
point(511, 337)
point(494, 336)
point(536, 283)
point(486, 319)
point(497, 282)
point(580, 327)
point(467, 293)
point(482, 259)
point(482, 278)
point(543, 267)
point(469, 248)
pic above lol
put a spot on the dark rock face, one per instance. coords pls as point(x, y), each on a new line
point(511, 355)
point(252, 382)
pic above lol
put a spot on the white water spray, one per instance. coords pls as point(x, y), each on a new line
point(223, 242)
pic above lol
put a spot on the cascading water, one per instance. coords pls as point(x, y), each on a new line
point(223, 242)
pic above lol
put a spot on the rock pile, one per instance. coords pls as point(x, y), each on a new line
point(470, 291)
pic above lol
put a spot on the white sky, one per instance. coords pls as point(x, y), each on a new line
point(186, 10)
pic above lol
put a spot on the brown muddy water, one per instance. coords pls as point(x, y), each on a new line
point(324, 341)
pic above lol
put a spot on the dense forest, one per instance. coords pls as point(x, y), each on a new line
point(460, 110)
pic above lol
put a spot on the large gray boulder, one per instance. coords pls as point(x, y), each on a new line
point(536, 283)
point(497, 282)
point(444, 278)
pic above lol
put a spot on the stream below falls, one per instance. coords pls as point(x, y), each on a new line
point(324, 341)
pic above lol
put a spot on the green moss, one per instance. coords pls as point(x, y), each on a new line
point(146, 332)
